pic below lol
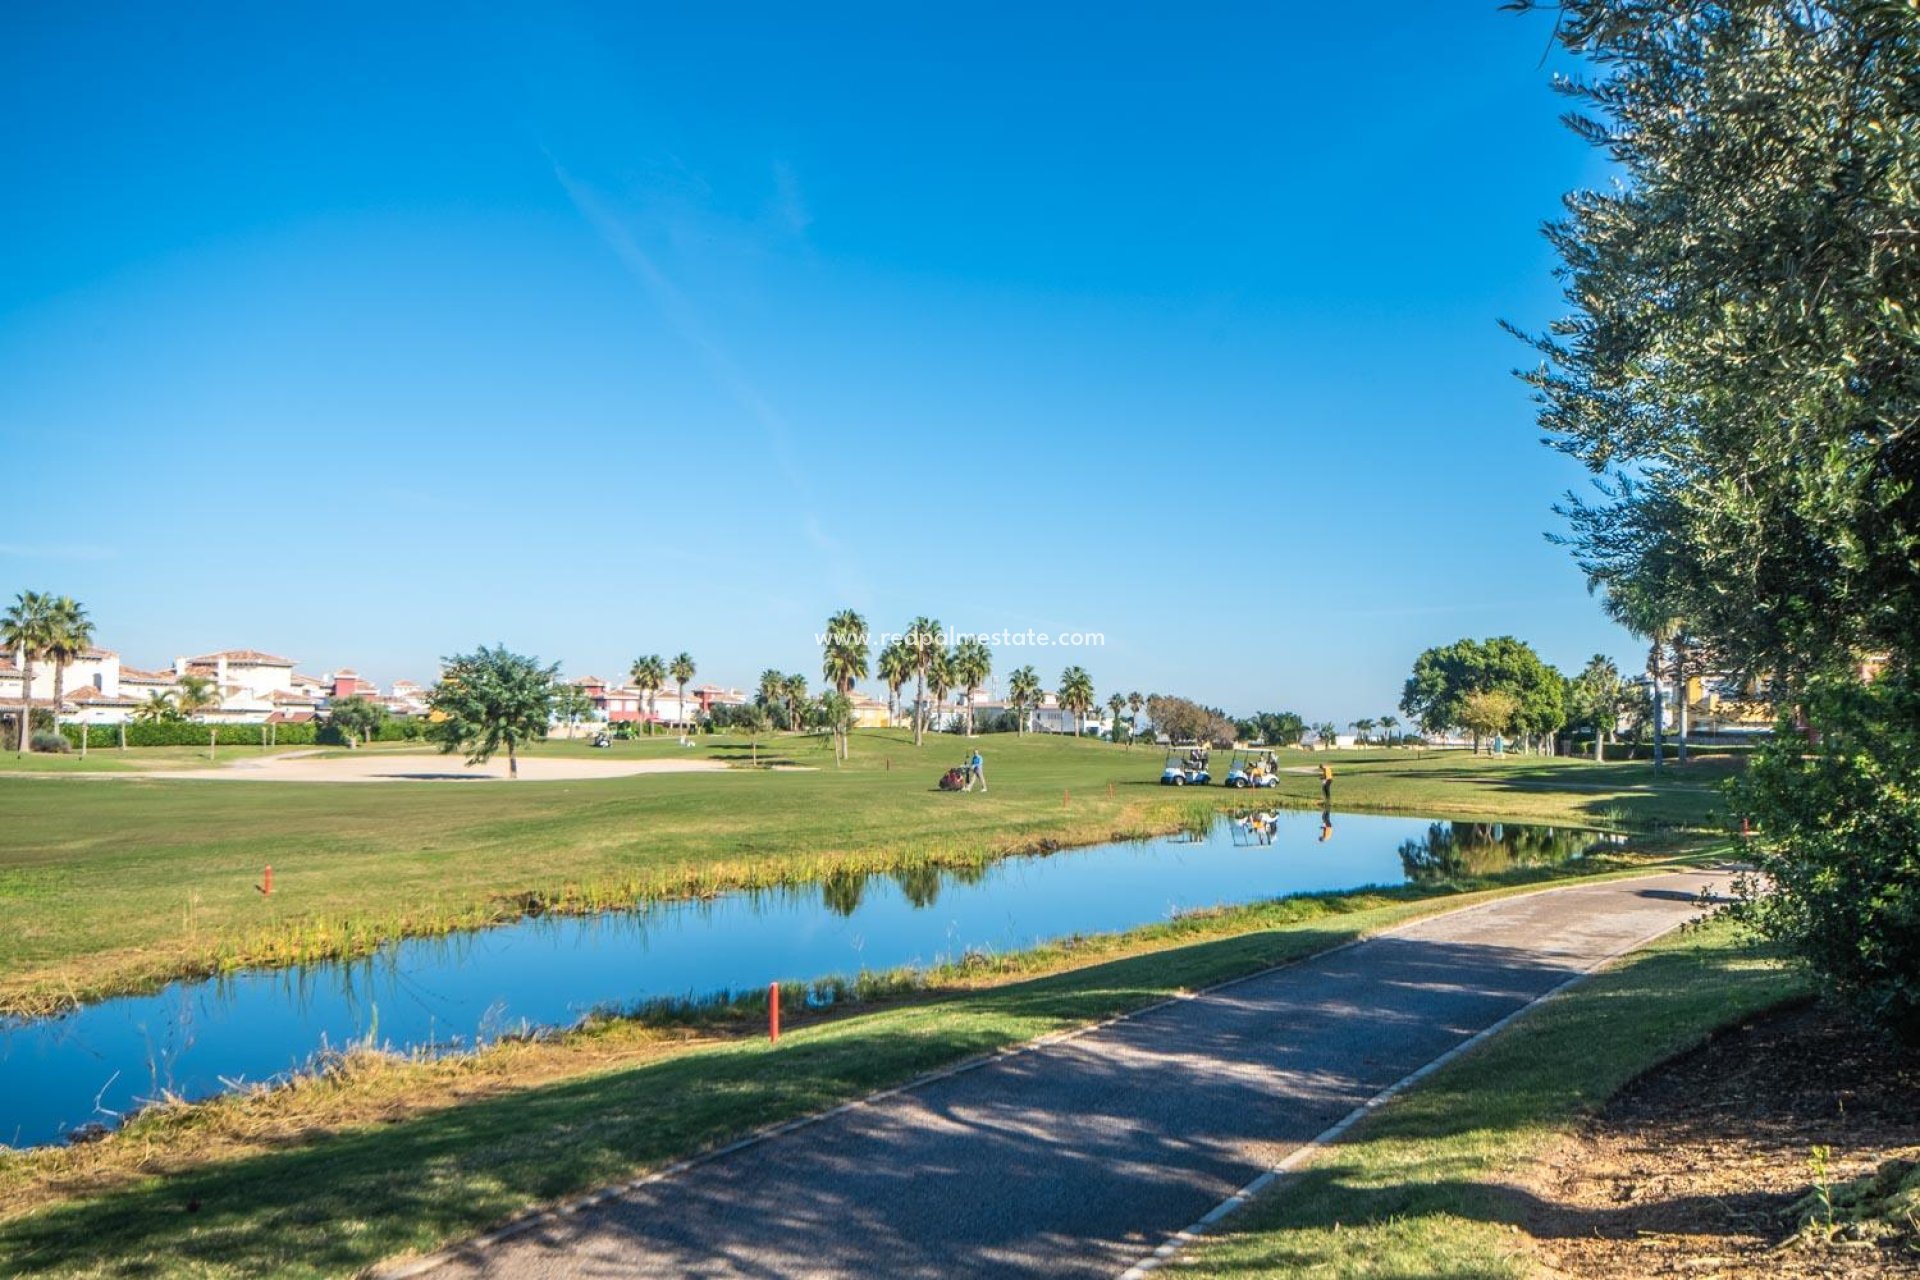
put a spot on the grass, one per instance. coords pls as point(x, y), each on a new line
point(121, 883)
point(1426, 1186)
point(385, 1157)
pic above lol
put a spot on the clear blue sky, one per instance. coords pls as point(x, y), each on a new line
point(366, 336)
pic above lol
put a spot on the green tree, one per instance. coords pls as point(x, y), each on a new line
point(571, 705)
point(682, 670)
point(895, 666)
point(972, 663)
point(26, 630)
point(1116, 704)
point(1134, 703)
point(1076, 695)
point(489, 700)
point(755, 720)
point(649, 673)
point(69, 636)
point(843, 657)
point(793, 691)
point(1387, 725)
point(1593, 699)
point(1436, 692)
point(357, 719)
point(836, 717)
point(772, 691)
point(926, 644)
point(939, 675)
point(1363, 729)
point(1486, 713)
point(1023, 692)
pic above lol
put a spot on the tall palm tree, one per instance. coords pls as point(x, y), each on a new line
point(972, 664)
point(939, 675)
point(794, 689)
point(1387, 725)
point(923, 641)
point(69, 636)
point(895, 666)
point(1363, 729)
point(1116, 704)
point(682, 670)
point(1134, 703)
point(157, 709)
point(25, 630)
point(1639, 612)
point(1076, 694)
point(773, 689)
point(843, 660)
point(1023, 691)
point(649, 673)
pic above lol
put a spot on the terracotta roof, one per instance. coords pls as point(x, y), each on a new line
point(289, 717)
point(281, 695)
point(88, 694)
point(253, 656)
point(97, 652)
point(135, 674)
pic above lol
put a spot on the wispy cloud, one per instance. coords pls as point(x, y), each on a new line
point(61, 551)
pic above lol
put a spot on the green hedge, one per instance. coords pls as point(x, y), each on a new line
point(179, 733)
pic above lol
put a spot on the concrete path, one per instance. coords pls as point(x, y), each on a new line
point(1079, 1157)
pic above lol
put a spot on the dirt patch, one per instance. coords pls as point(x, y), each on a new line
point(1697, 1168)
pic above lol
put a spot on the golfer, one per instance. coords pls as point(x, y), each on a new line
point(1326, 784)
point(977, 772)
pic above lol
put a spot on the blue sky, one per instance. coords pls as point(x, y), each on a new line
point(367, 335)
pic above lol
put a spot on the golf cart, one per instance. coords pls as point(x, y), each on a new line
point(1186, 766)
point(1254, 767)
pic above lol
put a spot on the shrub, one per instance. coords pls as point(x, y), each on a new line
point(1839, 845)
point(50, 742)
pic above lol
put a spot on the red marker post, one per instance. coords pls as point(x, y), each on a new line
point(773, 1013)
point(266, 882)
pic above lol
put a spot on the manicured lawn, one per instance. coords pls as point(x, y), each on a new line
point(116, 882)
point(393, 1157)
point(1424, 1187)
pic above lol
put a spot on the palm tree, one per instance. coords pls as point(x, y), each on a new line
point(194, 694)
point(794, 690)
point(25, 630)
point(1116, 704)
point(972, 664)
point(922, 641)
point(844, 658)
point(1023, 691)
point(70, 635)
point(648, 674)
point(1387, 725)
point(1076, 694)
point(157, 709)
point(1363, 728)
point(1134, 703)
point(939, 675)
point(682, 670)
point(895, 666)
point(773, 688)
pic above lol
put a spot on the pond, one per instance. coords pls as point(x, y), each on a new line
point(199, 1038)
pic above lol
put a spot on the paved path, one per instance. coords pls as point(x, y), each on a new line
point(1079, 1157)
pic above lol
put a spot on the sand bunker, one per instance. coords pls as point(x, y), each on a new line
point(381, 767)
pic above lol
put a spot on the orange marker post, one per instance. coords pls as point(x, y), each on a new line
point(1066, 799)
point(266, 882)
point(773, 1013)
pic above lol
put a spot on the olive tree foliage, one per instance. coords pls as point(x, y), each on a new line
point(492, 700)
point(1740, 367)
point(357, 719)
point(1184, 720)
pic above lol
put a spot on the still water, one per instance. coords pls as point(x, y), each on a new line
point(199, 1038)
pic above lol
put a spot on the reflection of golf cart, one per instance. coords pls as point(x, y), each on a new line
point(1186, 766)
point(1254, 828)
point(1256, 767)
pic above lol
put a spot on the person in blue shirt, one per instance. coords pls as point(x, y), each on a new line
point(977, 772)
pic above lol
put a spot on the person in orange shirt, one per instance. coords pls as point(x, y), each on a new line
point(1326, 784)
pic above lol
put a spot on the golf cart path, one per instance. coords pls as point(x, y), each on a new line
point(1080, 1155)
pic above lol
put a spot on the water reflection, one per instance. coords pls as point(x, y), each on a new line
point(1455, 850)
point(427, 995)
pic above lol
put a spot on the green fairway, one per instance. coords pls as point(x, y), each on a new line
point(117, 882)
